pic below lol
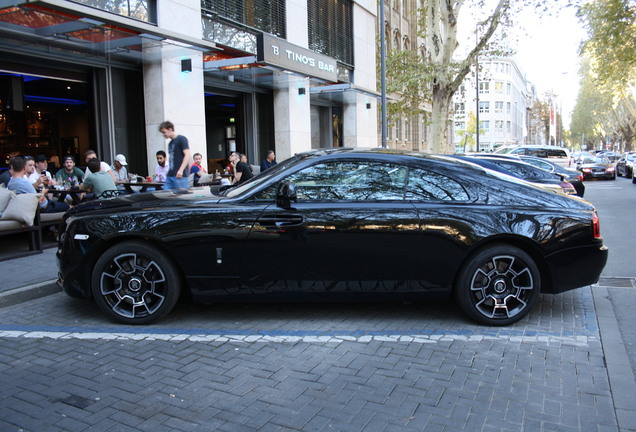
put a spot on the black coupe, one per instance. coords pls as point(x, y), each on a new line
point(333, 224)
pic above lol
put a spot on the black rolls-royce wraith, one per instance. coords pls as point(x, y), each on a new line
point(332, 224)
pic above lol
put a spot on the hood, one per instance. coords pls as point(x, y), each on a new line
point(148, 200)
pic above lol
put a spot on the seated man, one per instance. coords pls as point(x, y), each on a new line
point(119, 170)
point(98, 181)
point(19, 184)
point(69, 175)
point(161, 170)
point(196, 168)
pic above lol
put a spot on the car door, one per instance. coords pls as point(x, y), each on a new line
point(448, 223)
point(350, 230)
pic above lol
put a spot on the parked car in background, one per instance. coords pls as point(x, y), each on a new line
point(558, 155)
point(570, 175)
point(336, 224)
point(597, 167)
point(610, 155)
point(625, 164)
point(524, 171)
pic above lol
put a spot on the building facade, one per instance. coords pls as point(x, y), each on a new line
point(245, 75)
point(499, 96)
point(401, 34)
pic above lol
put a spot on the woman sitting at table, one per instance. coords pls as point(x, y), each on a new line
point(98, 181)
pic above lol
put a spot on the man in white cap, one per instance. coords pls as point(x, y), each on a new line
point(119, 169)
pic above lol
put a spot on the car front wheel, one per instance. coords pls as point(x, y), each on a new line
point(135, 283)
point(498, 285)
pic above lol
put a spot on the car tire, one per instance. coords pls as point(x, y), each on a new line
point(135, 283)
point(633, 179)
point(498, 285)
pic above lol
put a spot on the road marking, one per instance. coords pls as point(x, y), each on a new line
point(307, 337)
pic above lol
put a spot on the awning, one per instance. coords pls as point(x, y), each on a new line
point(81, 29)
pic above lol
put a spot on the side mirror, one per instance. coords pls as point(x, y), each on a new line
point(285, 194)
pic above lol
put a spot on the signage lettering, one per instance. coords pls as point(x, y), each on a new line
point(279, 52)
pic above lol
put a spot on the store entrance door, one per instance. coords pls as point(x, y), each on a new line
point(224, 131)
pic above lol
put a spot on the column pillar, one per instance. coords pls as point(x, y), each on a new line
point(170, 93)
point(292, 119)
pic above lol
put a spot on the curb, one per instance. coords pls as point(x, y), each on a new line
point(619, 370)
point(29, 292)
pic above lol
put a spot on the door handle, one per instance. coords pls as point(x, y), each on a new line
point(277, 221)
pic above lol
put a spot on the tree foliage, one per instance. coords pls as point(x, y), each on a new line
point(606, 109)
point(611, 42)
point(433, 75)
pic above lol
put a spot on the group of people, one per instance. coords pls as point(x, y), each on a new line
point(176, 173)
point(29, 174)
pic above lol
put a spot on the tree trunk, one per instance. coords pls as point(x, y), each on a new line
point(439, 122)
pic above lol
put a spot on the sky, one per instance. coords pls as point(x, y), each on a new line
point(547, 52)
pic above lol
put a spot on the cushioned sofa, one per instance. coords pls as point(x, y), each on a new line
point(19, 213)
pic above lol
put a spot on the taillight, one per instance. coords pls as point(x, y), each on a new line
point(581, 177)
point(597, 226)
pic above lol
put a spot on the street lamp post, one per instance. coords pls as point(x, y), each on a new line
point(383, 72)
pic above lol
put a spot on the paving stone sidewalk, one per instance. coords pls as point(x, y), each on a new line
point(304, 367)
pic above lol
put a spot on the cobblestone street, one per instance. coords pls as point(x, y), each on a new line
point(304, 367)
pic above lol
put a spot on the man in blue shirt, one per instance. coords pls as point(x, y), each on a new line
point(179, 152)
point(19, 185)
point(269, 161)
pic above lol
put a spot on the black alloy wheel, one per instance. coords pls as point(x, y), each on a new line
point(135, 283)
point(498, 285)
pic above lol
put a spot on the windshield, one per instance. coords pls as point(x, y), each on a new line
point(259, 179)
point(591, 160)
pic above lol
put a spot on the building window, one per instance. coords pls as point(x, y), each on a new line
point(508, 107)
point(498, 107)
point(499, 87)
point(508, 89)
point(499, 126)
point(143, 10)
point(484, 107)
point(484, 87)
point(460, 108)
point(265, 15)
point(508, 127)
point(398, 130)
point(331, 28)
point(484, 125)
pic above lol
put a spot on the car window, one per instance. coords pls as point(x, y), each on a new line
point(523, 170)
point(557, 153)
point(348, 181)
point(536, 152)
point(429, 186)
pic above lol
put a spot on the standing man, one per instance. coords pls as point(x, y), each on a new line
point(161, 170)
point(179, 152)
point(269, 161)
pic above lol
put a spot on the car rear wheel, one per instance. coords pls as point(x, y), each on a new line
point(135, 283)
point(498, 285)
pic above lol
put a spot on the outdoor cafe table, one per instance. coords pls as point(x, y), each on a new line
point(73, 193)
point(144, 186)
